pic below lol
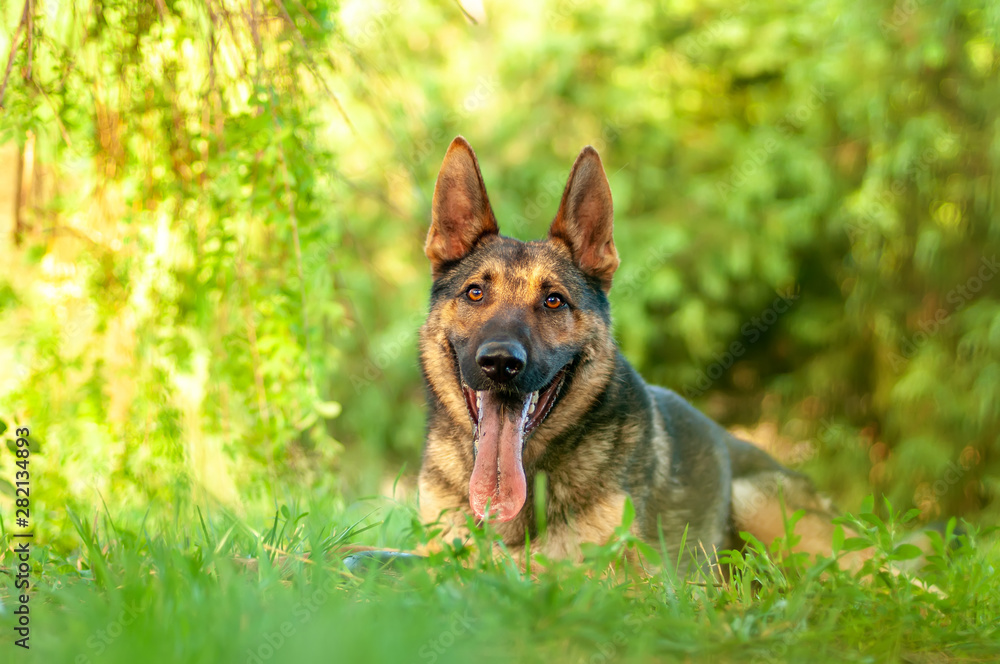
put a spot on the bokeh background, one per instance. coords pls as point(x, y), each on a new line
point(212, 215)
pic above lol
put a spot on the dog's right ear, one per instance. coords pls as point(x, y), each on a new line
point(460, 214)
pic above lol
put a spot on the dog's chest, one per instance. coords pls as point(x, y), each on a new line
point(566, 524)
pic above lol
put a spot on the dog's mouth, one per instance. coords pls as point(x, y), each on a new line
point(534, 406)
point(501, 425)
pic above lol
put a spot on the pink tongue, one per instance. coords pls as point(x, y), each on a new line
point(498, 476)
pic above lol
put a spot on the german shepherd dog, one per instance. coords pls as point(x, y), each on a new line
point(523, 377)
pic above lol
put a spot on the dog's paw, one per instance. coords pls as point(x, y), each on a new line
point(392, 562)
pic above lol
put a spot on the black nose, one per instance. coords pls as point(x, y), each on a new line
point(501, 360)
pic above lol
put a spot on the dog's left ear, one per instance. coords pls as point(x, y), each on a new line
point(460, 213)
point(585, 216)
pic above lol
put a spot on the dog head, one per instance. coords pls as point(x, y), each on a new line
point(512, 323)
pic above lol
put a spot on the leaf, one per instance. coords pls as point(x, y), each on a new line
point(872, 519)
point(328, 409)
point(906, 552)
point(838, 539)
point(949, 529)
point(754, 543)
point(651, 555)
point(628, 516)
point(856, 544)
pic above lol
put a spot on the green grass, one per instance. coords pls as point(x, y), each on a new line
point(181, 592)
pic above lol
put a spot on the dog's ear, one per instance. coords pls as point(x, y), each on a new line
point(585, 216)
point(460, 214)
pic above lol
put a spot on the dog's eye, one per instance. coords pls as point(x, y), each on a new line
point(553, 301)
point(475, 293)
